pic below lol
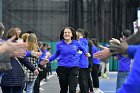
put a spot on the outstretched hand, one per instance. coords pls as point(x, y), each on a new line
point(44, 62)
point(117, 48)
point(105, 53)
point(36, 72)
point(14, 49)
point(114, 40)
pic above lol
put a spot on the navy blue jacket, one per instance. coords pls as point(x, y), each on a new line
point(15, 77)
point(68, 53)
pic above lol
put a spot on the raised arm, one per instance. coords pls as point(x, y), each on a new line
point(83, 49)
point(54, 56)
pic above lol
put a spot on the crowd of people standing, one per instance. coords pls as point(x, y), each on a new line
point(79, 61)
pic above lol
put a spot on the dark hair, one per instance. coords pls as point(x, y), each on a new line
point(86, 34)
point(126, 33)
point(83, 32)
point(2, 28)
point(95, 42)
point(74, 37)
point(40, 43)
point(12, 32)
point(46, 45)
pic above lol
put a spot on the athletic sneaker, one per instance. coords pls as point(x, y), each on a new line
point(97, 90)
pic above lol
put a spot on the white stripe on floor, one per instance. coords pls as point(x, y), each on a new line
point(109, 91)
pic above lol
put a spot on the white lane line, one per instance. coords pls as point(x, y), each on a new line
point(109, 91)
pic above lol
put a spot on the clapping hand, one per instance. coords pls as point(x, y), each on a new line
point(105, 53)
point(45, 61)
point(14, 49)
point(117, 48)
point(36, 72)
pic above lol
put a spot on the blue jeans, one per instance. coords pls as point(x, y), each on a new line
point(121, 77)
point(29, 86)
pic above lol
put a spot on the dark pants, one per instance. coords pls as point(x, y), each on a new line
point(83, 80)
point(37, 82)
point(45, 72)
point(10, 89)
point(94, 73)
point(49, 70)
point(68, 77)
point(90, 86)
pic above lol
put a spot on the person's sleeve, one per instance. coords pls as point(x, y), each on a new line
point(82, 48)
point(41, 58)
point(28, 64)
point(132, 50)
point(28, 53)
point(56, 54)
point(41, 66)
point(4, 58)
point(93, 50)
point(5, 62)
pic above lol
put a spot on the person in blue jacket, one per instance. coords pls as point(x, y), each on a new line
point(132, 83)
point(123, 69)
point(83, 62)
point(132, 48)
point(123, 62)
point(95, 66)
point(68, 62)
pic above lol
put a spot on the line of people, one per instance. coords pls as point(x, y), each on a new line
point(78, 61)
point(130, 48)
point(21, 63)
point(74, 66)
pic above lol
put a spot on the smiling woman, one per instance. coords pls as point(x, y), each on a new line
point(68, 30)
point(68, 62)
point(67, 34)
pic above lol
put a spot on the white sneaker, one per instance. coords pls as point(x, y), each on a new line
point(97, 90)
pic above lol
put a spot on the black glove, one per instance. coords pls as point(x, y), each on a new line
point(116, 48)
